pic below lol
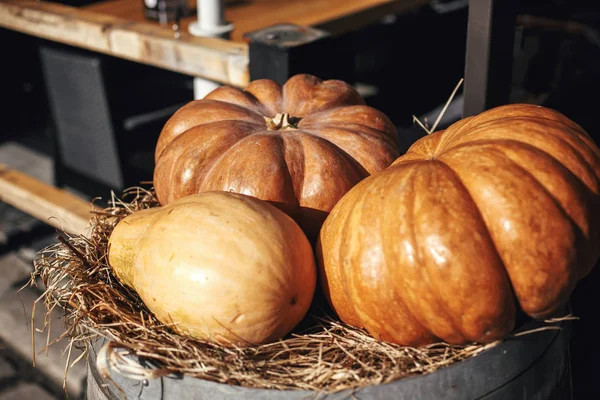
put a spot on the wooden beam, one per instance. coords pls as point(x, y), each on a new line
point(54, 206)
point(369, 14)
point(211, 58)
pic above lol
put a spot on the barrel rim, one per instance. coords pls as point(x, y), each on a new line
point(536, 345)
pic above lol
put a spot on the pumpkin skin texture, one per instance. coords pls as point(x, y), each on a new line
point(496, 213)
point(300, 146)
point(223, 267)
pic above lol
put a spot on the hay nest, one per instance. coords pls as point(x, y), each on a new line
point(326, 356)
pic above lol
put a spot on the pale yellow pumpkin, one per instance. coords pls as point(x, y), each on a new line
point(223, 267)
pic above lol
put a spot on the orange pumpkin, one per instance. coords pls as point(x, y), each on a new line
point(301, 146)
point(497, 212)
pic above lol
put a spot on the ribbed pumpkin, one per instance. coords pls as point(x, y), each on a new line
point(301, 146)
point(221, 266)
point(497, 212)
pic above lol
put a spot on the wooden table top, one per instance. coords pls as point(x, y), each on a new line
point(119, 28)
point(335, 16)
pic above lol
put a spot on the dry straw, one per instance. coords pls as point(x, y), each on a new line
point(325, 357)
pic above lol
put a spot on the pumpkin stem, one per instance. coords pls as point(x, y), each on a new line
point(282, 121)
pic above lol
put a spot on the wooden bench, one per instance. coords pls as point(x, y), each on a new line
point(56, 207)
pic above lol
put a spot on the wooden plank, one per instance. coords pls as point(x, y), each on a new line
point(211, 58)
point(356, 20)
point(56, 207)
point(335, 16)
point(119, 28)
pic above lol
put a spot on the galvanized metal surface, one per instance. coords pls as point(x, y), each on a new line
point(532, 367)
